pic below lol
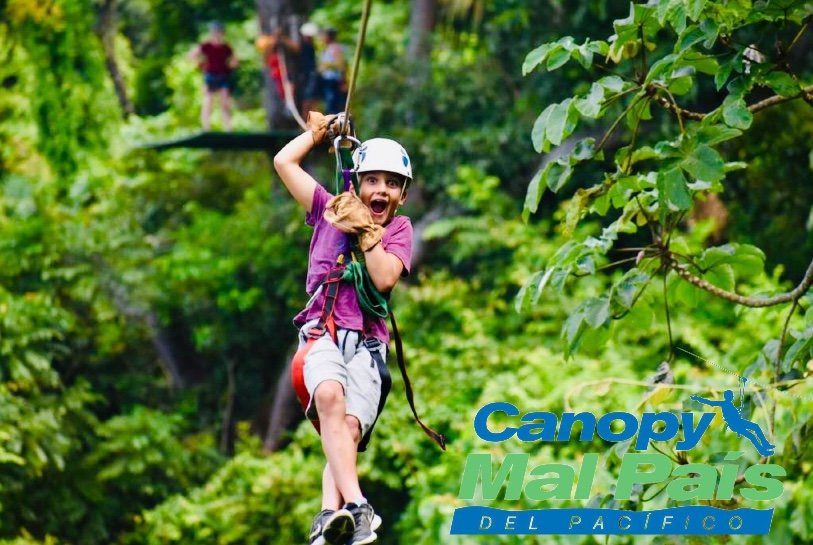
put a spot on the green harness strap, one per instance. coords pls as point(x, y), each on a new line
point(371, 300)
point(345, 173)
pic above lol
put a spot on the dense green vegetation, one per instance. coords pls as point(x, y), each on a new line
point(146, 298)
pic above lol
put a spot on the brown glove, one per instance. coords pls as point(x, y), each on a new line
point(319, 125)
point(328, 127)
point(348, 214)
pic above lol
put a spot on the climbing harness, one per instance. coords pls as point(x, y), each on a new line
point(325, 323)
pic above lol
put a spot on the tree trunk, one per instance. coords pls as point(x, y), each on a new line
point(227, 433)
point(419, 49)
point(286, 413)
point(421, 25)
point(106, 31)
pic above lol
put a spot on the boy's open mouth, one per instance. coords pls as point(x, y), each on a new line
point(378, 206)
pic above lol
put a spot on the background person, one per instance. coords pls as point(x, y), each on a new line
point(216, 58)
point(332, 69)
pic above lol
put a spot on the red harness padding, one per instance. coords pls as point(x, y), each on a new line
point(325, 323)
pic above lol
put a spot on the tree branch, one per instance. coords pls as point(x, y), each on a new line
point(757, 302)
point(806, 94)
point(778, 99)
point(680, 112)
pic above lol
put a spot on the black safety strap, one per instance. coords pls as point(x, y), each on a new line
point(373, 346)
point(399, 353)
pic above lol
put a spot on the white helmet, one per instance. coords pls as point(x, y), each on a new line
point(382, 154)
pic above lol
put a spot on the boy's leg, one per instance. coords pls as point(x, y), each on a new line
point(225, 107)
point(331, 497)
point(364, 392)
point(206, 111)
point(337, 440)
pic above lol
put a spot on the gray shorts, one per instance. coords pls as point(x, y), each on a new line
point(350, 363)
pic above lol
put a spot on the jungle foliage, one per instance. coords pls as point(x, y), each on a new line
point(146, 298)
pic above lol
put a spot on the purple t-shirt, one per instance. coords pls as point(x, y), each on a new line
point(327, 243)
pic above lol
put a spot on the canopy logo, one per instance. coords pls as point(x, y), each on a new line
point(683, 482)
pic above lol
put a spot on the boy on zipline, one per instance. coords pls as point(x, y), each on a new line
point(344, 373)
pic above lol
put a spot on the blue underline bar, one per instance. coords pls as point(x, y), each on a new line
point(685, 520)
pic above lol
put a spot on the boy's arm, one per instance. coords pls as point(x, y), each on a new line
point(195, 54)
point(384, 268)
point(299, 183)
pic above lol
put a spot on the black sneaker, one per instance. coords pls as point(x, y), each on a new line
point(366, 524)
point(332, 527)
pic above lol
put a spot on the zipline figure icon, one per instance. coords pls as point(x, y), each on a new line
point(733, 417)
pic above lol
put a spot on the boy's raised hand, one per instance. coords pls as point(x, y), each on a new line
point(349, 215)
point(328, 127)
point(324, 126)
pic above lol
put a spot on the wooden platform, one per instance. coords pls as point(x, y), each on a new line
point(271, 141)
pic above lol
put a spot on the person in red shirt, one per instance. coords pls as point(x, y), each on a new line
point(216, 58)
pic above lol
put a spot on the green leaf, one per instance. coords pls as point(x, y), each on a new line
point(583, 55)
point(585, 264)
point(596, 311)
point(660, 67)
point(673, 191)
point(799, 351)
point(782, 83)
point(681, 85)
point(710, 30)
point(721, 77)
point(557, 175)
point(715, 134)
point(699, 63)
point(612, 83)
point(542, 282)
point(560, 123)
point(535, 190)
point(641, 154)
point(662, 11)
point(625, 291)
point(677, 17)
point(540, 128)
point(695, 8)
point(704, 163)
point(572, 331)
point(642, 110)
point(557, 57)
point(590, 105)
point(745, 259)
point(575, 209)
point(535, 57)
point(597, 46)
point(735, 112)
point(688, 38)
point(722, 277)
point(583, 150)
